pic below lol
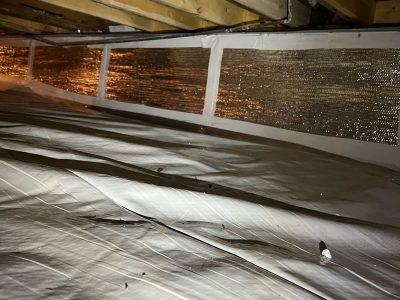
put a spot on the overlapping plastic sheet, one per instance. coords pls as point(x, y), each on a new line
point(14, 61)
point(74, 69)
point(95, 206)
point(349, 93)
point(173, 79)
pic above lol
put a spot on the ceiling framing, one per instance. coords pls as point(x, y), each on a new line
point(160, 16)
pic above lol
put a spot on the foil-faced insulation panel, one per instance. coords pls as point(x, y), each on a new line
point(14, 61)
point(73, 69)
point(172, 79)
point(349, 93)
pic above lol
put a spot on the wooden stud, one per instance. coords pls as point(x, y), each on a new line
point(17, 9)
point(28, 25)
point(14, 28)
point(111, 14)
point(387, 12)
point(219, 12)
point(66, 17)
point(160, 13)
point(273, 9)
point(360, 11)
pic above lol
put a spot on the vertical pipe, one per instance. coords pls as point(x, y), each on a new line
point(31, 58)
point(105, 59)
point(214, 71)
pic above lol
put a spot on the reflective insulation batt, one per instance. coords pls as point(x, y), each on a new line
point(74, 69)
point(349, 93)
point(173, 79)
point(98, 206)
point(14, 61)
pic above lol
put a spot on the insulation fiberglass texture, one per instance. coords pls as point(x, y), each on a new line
point(349, 93)
point(73, 69)
point(14, 61)
point(172, 79)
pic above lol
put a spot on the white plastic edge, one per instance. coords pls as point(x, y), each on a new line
point(102, 85)
point(278, 41)
point(214, 70)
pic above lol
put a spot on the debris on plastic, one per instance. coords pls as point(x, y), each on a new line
point(325, 255)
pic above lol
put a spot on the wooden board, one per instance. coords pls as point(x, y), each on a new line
point(387, 12)
point(359, 11)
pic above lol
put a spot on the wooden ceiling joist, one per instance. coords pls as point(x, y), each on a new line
point(102, 11)
point(15, 28)
point(220, 12)
point(29, 14)
point(87, 16)
point(387, 12)
point(161, 13)
point(360, 11)
point(273, 9)
point(28, 26)
point(54, 15)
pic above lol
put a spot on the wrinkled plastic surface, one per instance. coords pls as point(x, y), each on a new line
point(95, 206)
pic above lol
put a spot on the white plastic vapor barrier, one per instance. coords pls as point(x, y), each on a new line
point(97, 206)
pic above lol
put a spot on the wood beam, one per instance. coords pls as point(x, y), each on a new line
point(22, 12)
point(359, 11)
point(220, 12)
point(29, 25)
point(16, 28)
point(111, 14)
point(54, 15)
point(387, 12)
point(161, 13)
point(273, 9)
